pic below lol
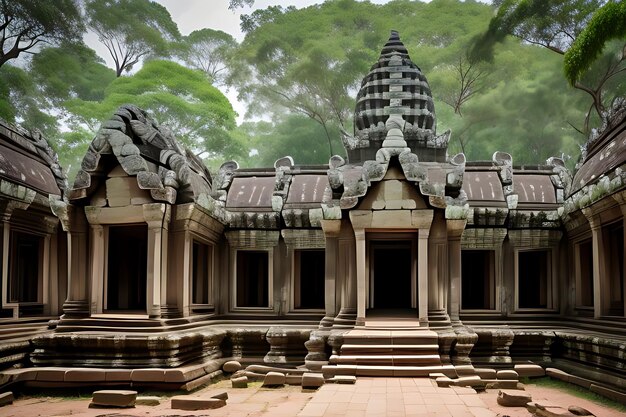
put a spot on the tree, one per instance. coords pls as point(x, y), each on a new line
point(84, 74)
point(131, 29)
point(555, 25)
point(182, 99)
point(311, 61)
point(235, 4)
point(209, 51)
point(608, 23)
point(24, 24)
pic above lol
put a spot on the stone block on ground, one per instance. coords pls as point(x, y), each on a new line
point(609, 393)
point(148, 400)
point(231, 366)
point(312, 380)
point(114, 398)
point(293, 379)
point(6, 398)
point(557, 374)
point(220, 395)
point(469, 381)
point(579, 411)
point(343, 379)
point(513, 398)
point(274, 379)
point(435, 375)
point(239, 382)
point(486, 373)
point(465, 370)
point(529, 370)
point(444, 381)
point(507, 374)
point(545, 409)
point(189, 403)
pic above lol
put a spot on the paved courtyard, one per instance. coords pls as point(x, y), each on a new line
point(375, 397)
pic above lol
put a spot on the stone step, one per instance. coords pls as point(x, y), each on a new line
point(412, 360)
point(350, 349)
point(390, 337)
point(377, 370)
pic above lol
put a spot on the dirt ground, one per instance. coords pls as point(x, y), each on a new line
point(368, 397)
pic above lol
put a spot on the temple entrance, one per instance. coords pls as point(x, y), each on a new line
point(391, 278)
point(127, 268)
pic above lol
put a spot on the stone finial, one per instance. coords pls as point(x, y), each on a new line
point(284, 162)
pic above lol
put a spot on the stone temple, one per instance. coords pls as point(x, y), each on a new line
point(396, 259)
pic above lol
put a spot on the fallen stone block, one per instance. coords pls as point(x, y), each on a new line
point(312, 380)
point(186, 402)
point(232, 366)
point(220, 395)
point(293, 379)
point(114, 398)
point(486, 373)
point(529, 370)
point(469, 381)
point(148, 400)
point(343, 379)
point(609, 393)
point(274, 379)
point(581, 382)
point(507, 374)
point(444, 381)
point(542, 409)
point(557, 374)
point(579, 411)
point(263, 369)
point(465, 370)
point(513, 398)
point(239, 382)
point(6, 398)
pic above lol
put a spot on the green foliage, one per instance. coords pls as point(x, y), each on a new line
point(20, 101)
point(131, 29)
point(207, 50)
point(608, 23)
point(24, 24)
point(291, 135)
point(83, 74)
point(183, 99)
point(555, 24)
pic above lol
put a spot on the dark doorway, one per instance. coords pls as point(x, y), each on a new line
point(390, 269)
point(252, 278)
point(127, 268)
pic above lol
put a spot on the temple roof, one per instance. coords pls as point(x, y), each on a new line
point(147, 151)
point(393, 86)
point(27, 159)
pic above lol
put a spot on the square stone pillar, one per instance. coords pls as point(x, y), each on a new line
point(455, 230)
point(76, 226)
point(98, 257)
point(600, 286)
point(361, 282)
point(157, 218)
point(620, 197)
point(422, 275)
point(331, 232)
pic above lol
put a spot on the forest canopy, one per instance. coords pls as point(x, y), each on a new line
point(496, 72)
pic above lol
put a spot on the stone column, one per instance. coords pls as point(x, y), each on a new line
point(455, 230)
point(331, 232)
point(620, 197)
point(422, 275)
point(600, 299)
point(361, 281)
point(77, 303)
point(98, 257)
point(157, 218)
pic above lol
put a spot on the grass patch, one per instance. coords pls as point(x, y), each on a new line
point(575, 390)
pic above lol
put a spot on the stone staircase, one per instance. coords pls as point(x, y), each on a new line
point(393, 347)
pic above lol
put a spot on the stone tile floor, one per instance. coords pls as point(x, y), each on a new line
point(375, 397)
